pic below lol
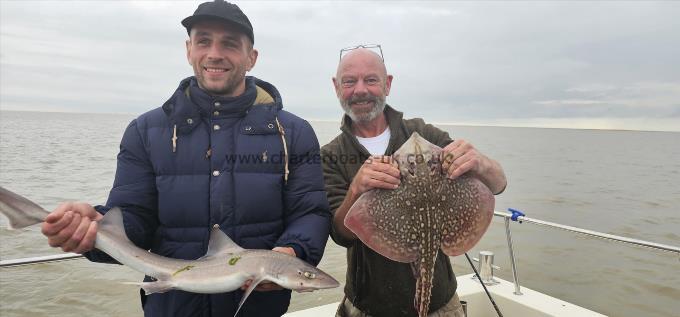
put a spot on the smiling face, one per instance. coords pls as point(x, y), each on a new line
point(362, 84)
point(220, 55)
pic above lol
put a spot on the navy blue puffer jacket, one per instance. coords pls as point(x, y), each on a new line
point(226, 167)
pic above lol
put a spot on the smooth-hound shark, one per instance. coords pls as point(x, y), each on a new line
point(224, 268)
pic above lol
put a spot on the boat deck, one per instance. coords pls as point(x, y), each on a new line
point(530, 304)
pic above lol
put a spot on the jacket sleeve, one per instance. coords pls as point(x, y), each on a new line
point(134, 191)
point(306, 215)
point(336, 188)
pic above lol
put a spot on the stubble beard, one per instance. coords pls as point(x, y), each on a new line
point(231, 83)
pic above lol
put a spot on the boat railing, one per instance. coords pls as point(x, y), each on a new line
point(40, 259)
point(518, 216)
point(514, 215)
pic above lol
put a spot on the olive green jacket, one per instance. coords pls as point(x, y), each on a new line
point(377, 285)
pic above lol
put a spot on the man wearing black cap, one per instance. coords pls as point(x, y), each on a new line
point(221, 151)
point(224, 72)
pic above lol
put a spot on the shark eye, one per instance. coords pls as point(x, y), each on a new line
point(310, 275)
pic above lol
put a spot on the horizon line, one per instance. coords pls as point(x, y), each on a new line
point(461, 124)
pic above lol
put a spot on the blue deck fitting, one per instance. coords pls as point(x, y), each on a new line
point(515, 213)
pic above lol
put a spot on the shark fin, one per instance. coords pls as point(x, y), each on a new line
point(247, 293)
point(220, 244)
point(157, 287)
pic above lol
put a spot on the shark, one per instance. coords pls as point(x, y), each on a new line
point(225, 267)
point(428, 211)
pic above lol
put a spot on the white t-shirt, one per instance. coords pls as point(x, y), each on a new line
point(376, 145)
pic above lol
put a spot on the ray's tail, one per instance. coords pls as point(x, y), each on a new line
point(423, 271)
point(20, 211)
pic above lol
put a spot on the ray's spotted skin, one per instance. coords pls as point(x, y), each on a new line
point(428, 211)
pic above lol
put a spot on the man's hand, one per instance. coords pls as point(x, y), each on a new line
point(72, 227)
point(269, 286)
point(376, 172)
point(286, 250)
point(460, 157)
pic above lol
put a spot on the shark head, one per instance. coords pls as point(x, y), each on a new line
point(303, 277)
point(285, 270)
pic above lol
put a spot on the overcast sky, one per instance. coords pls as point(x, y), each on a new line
point(551, 64)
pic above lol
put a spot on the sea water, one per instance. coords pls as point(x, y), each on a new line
point(619, 182)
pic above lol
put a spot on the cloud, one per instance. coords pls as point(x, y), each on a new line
point(412, 10)
point(569, 102)
point(452, 61)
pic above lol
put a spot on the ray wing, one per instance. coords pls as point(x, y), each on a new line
point(469, 214)
point(380, 221)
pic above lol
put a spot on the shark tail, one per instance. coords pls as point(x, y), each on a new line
point(20, 211)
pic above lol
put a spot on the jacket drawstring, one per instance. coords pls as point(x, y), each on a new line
point(174, 138)
point(282, 133)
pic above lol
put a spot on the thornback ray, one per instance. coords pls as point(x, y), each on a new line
point(427, 212)
point(225, 267)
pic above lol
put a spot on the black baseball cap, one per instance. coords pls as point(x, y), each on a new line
point(222, 11)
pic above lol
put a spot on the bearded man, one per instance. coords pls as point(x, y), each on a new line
point(372, 131)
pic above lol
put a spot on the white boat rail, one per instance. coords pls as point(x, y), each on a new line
point(40, 259)
point(519, 216)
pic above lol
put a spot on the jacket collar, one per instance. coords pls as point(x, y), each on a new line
point(189, 104)
point(225, 106)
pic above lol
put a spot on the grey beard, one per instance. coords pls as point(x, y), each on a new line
point(378, 108)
